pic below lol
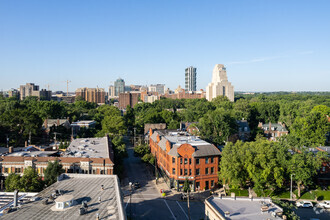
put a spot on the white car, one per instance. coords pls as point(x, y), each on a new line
point(325, 204)
point(304, 204)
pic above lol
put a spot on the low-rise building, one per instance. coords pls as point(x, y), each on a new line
point(181, 156)
point(74, 196)
point(273, 131)
point(49, 123)
point(244, 131)
point(222, 208)
point(84, 155)
point(186, 95)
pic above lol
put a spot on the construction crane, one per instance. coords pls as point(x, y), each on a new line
point(67, 87)
point(48, 85)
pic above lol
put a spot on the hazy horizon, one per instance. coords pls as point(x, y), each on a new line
point(265, 46)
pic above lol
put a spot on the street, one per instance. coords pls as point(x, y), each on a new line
point(146, 202)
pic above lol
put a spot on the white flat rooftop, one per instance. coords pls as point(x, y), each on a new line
point(244, 208)
point(88, 148)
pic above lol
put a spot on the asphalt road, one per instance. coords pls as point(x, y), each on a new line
point(313, 213)
point(146, 202)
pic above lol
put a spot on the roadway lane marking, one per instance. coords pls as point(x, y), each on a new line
point(127, 203)
point(169, 209)
point(182, 209)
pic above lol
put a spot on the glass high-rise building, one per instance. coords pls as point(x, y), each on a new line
point(190, 80)
point(119, 86)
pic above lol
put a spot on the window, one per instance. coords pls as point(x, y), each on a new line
point(185, 172)
point(173, 159)
point(180, 171)
point(17, 170)
point(94, 171)
point(6, 170)
point(189, 160)
point(180, 160)
point(212, 183)
point(212, 160)
point(206, 160)
point(323, 169)
point(212, 170)
point(197, 161)
point(197, 185)
point(197, 171)
point(189, 172)
point(185, 160)
point(206, 170)
point(173, 170)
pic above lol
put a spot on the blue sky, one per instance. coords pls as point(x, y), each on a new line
point(265, 45)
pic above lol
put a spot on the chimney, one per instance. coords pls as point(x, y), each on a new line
point(15, 198)
point(11, 150)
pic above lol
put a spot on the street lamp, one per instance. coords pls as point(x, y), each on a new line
point(291, 187)
point(130, 200)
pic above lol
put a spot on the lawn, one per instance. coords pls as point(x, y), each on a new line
point(239, 192)
point(320, 194)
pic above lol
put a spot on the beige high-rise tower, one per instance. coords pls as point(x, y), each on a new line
point(219, 85)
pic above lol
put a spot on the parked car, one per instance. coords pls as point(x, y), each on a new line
point(136, 185)
point(325, 204)
point(304, 204)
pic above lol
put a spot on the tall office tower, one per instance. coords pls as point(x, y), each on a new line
point(219, 85)
point(190, 79)
point(119, 86)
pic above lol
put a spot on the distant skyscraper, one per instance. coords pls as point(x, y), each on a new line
point(190, 84)
point(111, 92)
point(33, 90)
point(119, 86)
point(219, 85)
point(160, 88)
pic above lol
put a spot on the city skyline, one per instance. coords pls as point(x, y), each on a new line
point(265, 46)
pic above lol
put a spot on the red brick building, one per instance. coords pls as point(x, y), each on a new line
point(128, 98)
point(180, 156)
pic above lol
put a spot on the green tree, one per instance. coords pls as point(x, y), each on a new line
point(52, 171)
point(232, 170)
point(186, 186)
point(13, 182)
point(31, 181)
point(113, 125)
point(217, 126)
point(304, 166)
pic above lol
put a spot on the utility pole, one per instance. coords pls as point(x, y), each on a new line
point(156, 174)
point(7, 140)
point(55, 139)
point(188, 205)
point(29, 137)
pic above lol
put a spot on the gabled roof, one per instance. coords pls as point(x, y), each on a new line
point(154, 136)
point(162, 144)
point(206, 150)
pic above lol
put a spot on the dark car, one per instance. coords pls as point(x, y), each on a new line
point(136, 185)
